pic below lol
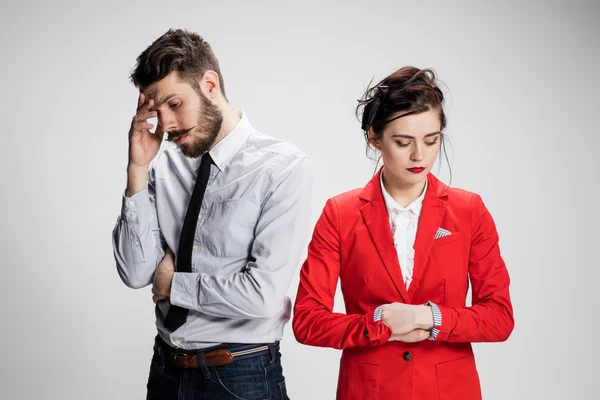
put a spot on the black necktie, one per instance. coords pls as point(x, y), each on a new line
point(177, 315)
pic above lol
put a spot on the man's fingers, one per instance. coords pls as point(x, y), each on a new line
point(144, 115)
point(149, 105)
point(141, 100)
point(141, 125)
point(156, 298)
point(143, 104)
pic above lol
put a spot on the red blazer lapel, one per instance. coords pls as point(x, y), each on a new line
point(376, 218)
point(432, 212)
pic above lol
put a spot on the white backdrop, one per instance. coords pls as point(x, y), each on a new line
point(523, 122)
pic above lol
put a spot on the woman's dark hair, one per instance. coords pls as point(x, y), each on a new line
point(177, 50)
point(409, 90)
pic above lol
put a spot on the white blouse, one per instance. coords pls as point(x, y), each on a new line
point(404, 222)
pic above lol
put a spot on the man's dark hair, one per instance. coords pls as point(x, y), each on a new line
point(177, 50)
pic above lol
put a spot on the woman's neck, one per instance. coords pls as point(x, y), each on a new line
point(402, 192)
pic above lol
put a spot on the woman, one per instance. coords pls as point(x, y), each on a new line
point(405, 248)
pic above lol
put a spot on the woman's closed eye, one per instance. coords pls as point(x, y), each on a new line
point(403, 144)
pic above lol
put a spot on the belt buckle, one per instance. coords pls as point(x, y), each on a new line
point(183, 357)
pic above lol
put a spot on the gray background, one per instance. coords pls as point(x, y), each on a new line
point(522, 108)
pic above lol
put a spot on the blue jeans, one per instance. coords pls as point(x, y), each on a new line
point(251, 378)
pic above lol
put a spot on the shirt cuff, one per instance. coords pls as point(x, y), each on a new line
point(377, 314)
point(184, 290)
point(376, 332)
point(448, 324)
point(437, 320)
point(134, 206)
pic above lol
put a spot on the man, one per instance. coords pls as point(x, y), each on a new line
point(217, 224)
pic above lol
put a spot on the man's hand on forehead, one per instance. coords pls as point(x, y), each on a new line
point(150, 96)
point(153, 121)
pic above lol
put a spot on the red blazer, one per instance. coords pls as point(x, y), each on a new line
point(353, 241)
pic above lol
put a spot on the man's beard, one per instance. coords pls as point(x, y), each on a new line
point(204, 135)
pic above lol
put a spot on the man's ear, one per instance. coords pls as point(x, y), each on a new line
point(209, 84)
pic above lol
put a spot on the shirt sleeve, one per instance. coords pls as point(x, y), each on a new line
point(490, 318)
point(259, 290)
point(314, 321)
point(138, 245)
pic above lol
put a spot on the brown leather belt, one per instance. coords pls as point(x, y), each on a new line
point(214, 358)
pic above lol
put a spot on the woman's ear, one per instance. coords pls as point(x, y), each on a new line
point(373, 139)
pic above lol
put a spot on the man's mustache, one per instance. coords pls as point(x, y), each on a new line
point(174, 135)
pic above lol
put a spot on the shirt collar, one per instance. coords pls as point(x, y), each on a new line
point(224, 151)
point(415, 206)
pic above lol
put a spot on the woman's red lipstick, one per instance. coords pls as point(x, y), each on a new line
point(416, 170)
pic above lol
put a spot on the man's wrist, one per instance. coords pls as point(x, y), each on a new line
point(137, 179)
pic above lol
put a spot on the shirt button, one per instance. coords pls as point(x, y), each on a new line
point(131, 203)
point(195, 248)
point(133, 215)
point(137, 243)
point(407, 356)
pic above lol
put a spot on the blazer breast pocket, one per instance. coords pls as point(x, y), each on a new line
point(449, 257)
point(230, 228)
point(446, 240)
point(448, 249)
